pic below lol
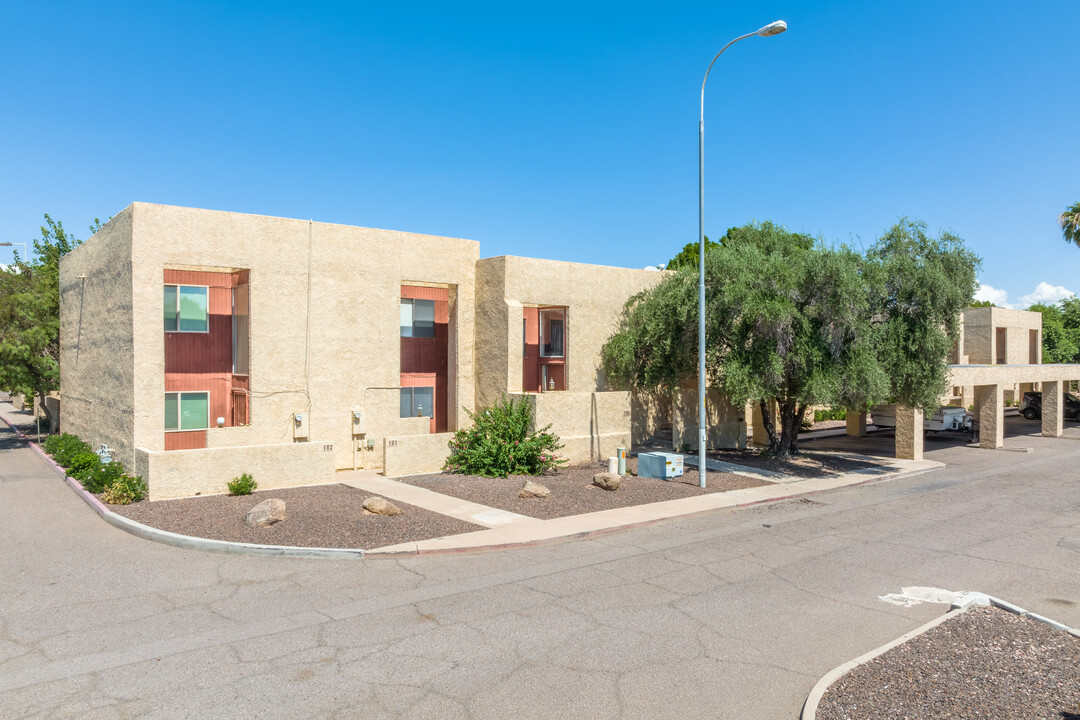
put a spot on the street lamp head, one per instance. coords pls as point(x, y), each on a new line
point(773, 28)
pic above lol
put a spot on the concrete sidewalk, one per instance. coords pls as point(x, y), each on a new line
point(508, 530)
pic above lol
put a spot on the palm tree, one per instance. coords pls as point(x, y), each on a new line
point(1070, 223)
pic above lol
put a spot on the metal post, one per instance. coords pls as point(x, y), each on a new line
point(701, 293)
point(769, 30)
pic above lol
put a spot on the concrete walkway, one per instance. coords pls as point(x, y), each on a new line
point(507, 529)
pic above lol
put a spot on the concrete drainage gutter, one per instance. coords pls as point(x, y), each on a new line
point(183, 541)
point(959, 602)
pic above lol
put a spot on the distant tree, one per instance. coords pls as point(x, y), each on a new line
point(30, 316)
point(688, 256)
point(1070, 224)
point(774, 330)
point(1059, 343)
point(981, 303)
point(921, 284)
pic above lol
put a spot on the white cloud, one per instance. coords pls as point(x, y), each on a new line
point(1045, 293)
point(992, 294)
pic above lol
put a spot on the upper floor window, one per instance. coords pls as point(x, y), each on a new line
point(186, 308)
point(553, 332)
point(417, 318)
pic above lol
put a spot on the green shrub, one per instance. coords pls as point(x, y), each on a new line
point(499, 443)
point(65, 448)
point(830, 414)
point(84, 465)
point(125, 489)
point(243, 485)
point(102, 477)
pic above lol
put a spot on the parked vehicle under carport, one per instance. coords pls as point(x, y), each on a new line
point(1031, 406)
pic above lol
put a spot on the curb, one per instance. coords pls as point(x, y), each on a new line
point(183, 541)
point(378, 553)
point(969, 600)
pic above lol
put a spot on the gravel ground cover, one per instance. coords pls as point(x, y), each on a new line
point(320, 516)
point(807, 463)
point(983, 663)
point(572, 491)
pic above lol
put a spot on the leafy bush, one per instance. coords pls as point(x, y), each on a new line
point(65, 448)
point(830, 414)
point(102, 477)
point(125, 489)
point(84, 465)
point(243, 485)
point(500, 444)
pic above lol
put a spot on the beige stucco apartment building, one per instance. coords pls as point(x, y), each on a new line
point(290, 349)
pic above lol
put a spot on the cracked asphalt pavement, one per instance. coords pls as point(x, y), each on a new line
point(730, 615)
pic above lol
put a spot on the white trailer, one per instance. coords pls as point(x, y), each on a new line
point(947, 417)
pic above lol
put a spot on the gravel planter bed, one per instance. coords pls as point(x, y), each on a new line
point(806, 464)
point(983, 663)
point(572, 491)
point(330, 516)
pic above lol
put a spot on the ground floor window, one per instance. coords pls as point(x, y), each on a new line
point(417, 402)
point(187, 410)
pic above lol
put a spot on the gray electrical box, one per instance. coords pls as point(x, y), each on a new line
point(659, 465)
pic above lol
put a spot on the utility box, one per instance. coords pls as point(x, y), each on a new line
point(659, 465)
point(300, 426)
point(359, 427)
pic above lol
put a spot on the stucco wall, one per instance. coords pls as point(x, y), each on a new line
point(97, 367)
point(594, 295)
point(182, 473)
point(726, 422)
point(414, 454)
point(589, 424)
point(980, 334)
point(324, 342)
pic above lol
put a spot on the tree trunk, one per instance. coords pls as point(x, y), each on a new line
point(800, 413)
point(767, 419)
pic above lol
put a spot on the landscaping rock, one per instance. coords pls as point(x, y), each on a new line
point(607, 481)
point(533, 490)
point(380, 506)
point(266, 513)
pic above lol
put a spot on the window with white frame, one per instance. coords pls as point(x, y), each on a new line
point(417, 402)
point(187, 410)
point(417, 318)
point(187, 308)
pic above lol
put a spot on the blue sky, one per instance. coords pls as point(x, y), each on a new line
point(559, 130)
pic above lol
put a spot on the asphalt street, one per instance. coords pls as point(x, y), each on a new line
point(730, 615)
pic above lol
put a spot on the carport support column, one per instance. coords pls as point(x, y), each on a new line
point(1053, 414)
point(909, 433)
point(856, 423)
point(990, 405)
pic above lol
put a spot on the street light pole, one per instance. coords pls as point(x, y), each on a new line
point(10, 244)
point(774, 28)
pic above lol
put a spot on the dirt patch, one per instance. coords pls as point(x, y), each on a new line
point(807, 463)
point(984, 663)
point(330, 516)
point(572, 491)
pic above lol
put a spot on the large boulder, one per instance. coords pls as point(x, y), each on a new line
point(266, 513)
point(533, 490)
point(607, 481)
point(381, 506)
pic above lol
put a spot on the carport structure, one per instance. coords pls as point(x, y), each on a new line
point(989, 382)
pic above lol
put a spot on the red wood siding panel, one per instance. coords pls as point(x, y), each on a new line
point(218, 385)
point(531, 372)
point(530, 366)
point(425, 361)
point(187, 440)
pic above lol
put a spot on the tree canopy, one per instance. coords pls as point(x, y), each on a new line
point(792, 320)
point(1070, 224)
point(30, 315)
